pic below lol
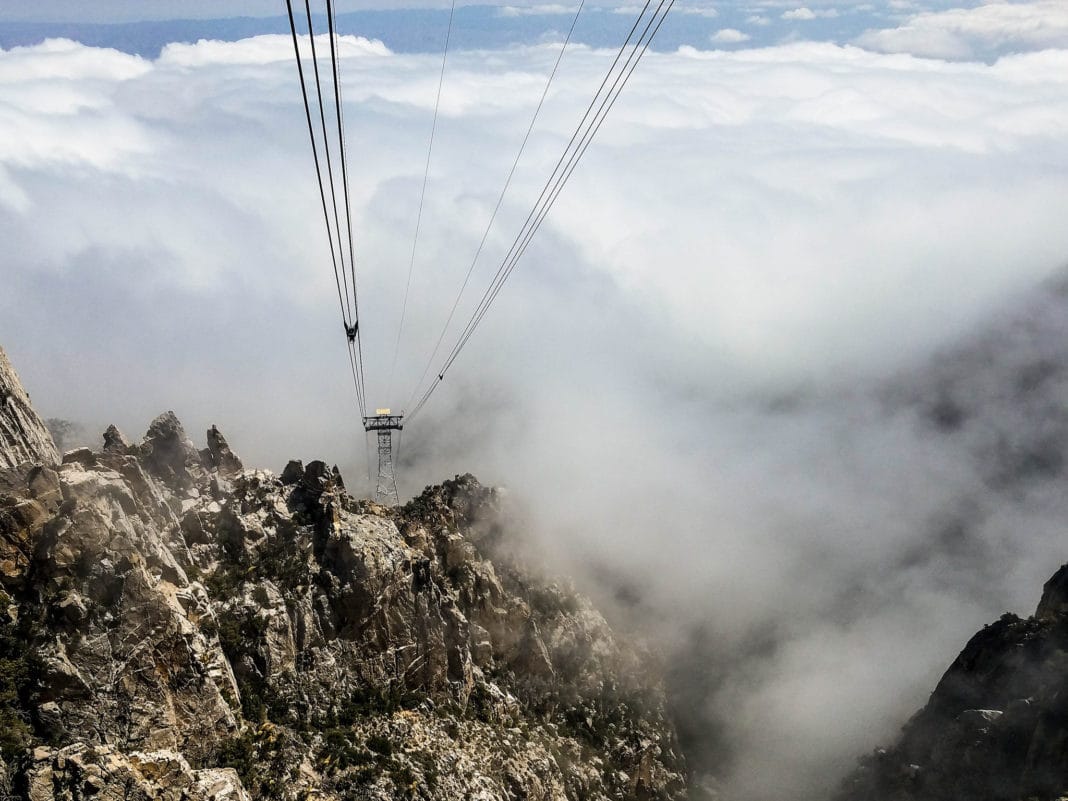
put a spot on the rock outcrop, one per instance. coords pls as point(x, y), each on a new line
point(219, 456)
point(102, 772)
point(996, 726)
point(175, 626)
point(23, 436)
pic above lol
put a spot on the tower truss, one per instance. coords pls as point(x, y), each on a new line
point(384, 424)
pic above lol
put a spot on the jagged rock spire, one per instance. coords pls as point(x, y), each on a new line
point(168, 452)
point(115, 441)
point(219, 454)
point(23, 435)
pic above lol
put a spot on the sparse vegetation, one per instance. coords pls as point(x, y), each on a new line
point(18, 671)
point(239, 635)
point(259, 757)
point(380, 745)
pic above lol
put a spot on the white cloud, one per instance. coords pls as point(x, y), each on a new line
point(707, 12)
point(62, 59)
point(46, 89)
point(536, 10)
point(729, 36)
point(964, 33)
point(804, 13)
point(263, 50)
point(754, 235)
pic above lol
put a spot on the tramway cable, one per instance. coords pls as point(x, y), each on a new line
point(500, 201)
point(384, 423)
point(572, 165)
point(315, 156)
point(553, 184)
point(348, 301)
point(336, 69)
point(329, 161)
point(422, 196)
point(559, 178)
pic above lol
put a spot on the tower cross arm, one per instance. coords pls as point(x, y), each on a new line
point(384, 422)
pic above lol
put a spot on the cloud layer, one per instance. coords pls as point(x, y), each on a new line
point(707, 384)
point(965, 33)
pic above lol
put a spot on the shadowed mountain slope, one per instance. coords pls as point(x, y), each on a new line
point(996, 726)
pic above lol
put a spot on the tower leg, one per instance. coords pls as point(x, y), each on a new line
point(386, 490)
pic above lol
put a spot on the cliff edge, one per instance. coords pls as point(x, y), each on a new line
point(23, 436)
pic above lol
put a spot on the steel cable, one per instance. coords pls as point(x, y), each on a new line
point(422, 197)
point(339, 110)
point(500, 202)
point(588, 137)
point(558, 180)
point(315, 155)
point(329, 162)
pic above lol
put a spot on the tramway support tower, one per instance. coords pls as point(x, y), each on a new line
point(385, 424)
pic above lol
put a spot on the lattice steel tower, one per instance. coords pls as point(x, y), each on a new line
point(385, 424)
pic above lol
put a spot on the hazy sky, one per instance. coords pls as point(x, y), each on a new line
point(718, 376)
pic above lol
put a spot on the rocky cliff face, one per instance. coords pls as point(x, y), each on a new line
point(23, 436)
point(173, 625)
point(996, 726)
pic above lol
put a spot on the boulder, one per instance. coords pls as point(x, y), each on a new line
point(82, 456)
point(293, 472)
point(43, 484)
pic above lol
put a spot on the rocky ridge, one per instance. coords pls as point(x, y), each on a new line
point(173, 625)
point(995, 727)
